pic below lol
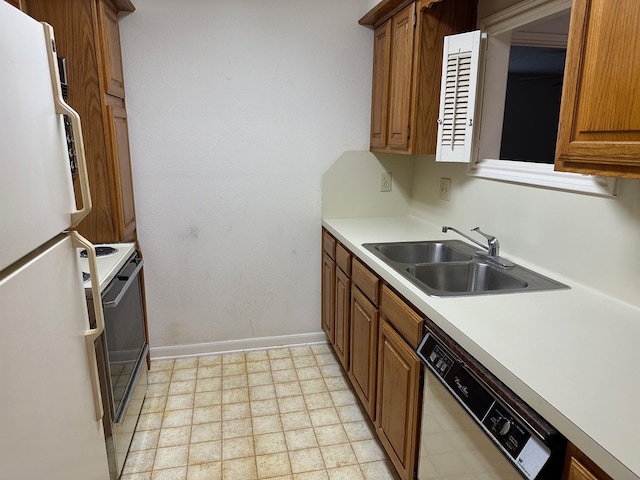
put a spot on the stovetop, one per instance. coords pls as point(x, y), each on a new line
point(111, 258)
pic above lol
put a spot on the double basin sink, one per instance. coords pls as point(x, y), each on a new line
point(450, 268)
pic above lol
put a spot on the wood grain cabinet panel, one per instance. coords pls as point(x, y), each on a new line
point(599, 130)
point(398, 400)
point(578, 466)
point(111, 53)
point(380, 86)
point(124, 208)
point(342, 333)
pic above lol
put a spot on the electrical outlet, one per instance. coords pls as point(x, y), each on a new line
point(445, 189)
point(385, 182)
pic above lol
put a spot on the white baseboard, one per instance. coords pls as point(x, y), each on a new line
point(228, 346)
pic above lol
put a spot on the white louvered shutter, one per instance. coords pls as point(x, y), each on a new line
point(460, 64)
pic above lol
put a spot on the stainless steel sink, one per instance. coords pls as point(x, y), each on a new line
point(449, 268)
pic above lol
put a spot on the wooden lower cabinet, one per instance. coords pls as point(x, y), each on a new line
point(328, 295)
point(398, 400)
point(363, 349)
point(580, 467)
point(374, 333)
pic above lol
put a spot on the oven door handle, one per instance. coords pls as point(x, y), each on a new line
point(114, 303)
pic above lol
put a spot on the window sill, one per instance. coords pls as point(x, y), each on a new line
point(543, 175)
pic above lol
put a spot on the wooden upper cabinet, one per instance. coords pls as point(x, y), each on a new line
point(111, 51)
point(599, 131)
point(407, 62)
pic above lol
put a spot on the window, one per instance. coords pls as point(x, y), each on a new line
point(524, 46)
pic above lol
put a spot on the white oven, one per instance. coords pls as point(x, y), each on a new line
point(122, 349)
point(473, 426)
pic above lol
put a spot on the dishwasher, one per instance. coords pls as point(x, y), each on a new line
point(474, 426)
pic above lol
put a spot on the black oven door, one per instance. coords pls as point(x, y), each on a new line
point(124, 329)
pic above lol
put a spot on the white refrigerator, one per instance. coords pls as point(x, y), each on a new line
point(50, 405)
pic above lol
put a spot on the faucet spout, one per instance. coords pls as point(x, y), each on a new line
point(492, 247)
point(445, 229)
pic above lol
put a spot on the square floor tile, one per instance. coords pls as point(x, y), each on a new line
point(236, 411)
point(362, 430)
point(315, 401)
point(284, 376)
point(324, 416)
point(266, 424)
point(144, 440)
point(300, 439)
point(338, 455)
point(259, 366)
point(257, 355)
point(205, 452)
point(171, 457)
point(183, 386)
point(206, 432)
point(235, 395)
point(262, 392)
point(260, 408)
point(173, 436)
point(295, 420)
point(330, 435)
point(238, 448)
point(292, 404)
point(236, 428)
point(180, 402)
point(273, 465)
point(307, 460)
point(206, 414)
point(270, 443)
point(207, 399)
point(278, 353)
point(304, 361)
point(191, 362)
point(228, 358)
point(288, 389)
point(177, 418)
point(209, 371)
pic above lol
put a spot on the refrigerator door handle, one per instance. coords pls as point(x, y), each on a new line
point(63, 109)
point(92, 334)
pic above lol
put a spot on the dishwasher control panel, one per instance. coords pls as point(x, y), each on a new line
point(490, 411)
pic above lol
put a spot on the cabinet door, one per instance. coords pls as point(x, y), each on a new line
point(112, 57)
point(122, 189)
point(398, 400)
point(328, 295)
point(380, 96)
point(402, 28)
point(342, 316)
point(364, 334)
point(599, 131)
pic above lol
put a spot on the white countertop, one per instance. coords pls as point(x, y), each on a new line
point(572, 355)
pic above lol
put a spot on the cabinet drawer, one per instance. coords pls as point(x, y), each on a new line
point(343, 259)
point(404, 319)
point(329, 244)
point(366, 281)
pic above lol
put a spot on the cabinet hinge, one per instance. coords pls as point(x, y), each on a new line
point(409, 132)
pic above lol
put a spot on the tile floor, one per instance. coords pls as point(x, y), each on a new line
point(280, 414)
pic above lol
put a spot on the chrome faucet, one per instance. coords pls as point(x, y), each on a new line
point(492, 247)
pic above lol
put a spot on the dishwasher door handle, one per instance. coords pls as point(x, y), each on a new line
point(114, 303)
